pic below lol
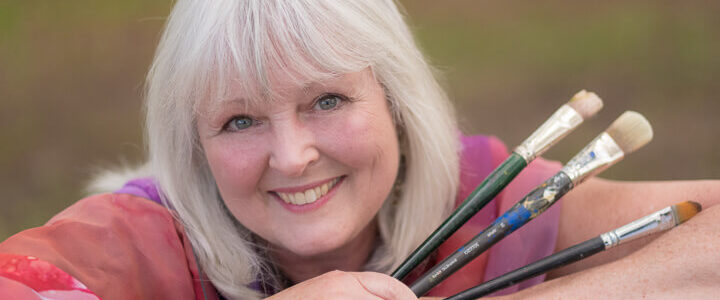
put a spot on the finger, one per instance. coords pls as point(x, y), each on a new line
point(384, 286)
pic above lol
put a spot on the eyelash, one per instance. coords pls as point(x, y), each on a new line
point(343, 99)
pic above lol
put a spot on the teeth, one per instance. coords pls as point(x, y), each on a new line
point(324, 188)
point(308, 196)
point(285, 197)
point(300, 198)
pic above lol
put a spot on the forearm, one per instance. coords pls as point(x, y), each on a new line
point(683, 263)
point(602, 205)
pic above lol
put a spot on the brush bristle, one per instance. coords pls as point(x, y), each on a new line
point(630, 131)
point(686, 210)
point(587, 104)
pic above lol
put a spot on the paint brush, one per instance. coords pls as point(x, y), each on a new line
point(628, 133)
point(582, 106)
point(659, 221)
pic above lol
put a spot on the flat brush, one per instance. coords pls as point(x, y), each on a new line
point(581, 107)
point(628, 133)
point(659, 221)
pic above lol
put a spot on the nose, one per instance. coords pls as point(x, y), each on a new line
point(293, 148)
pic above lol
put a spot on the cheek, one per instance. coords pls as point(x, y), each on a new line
point(366, 141)
point(236, 168)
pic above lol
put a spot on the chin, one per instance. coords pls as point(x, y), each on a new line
point(318, 244)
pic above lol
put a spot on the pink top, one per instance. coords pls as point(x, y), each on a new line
point(537, 239)
point(121, 246)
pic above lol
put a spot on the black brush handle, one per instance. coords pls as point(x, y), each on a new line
point(570, 255)
point(532, 205)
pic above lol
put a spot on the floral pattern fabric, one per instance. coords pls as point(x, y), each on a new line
point(27, 277)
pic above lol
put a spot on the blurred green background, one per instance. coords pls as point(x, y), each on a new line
point(71, 76)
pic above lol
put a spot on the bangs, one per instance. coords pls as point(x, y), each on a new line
point(258, 46)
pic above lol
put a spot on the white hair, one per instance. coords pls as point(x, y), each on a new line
point(208, 46)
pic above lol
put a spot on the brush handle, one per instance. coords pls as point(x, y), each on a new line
point(658, 221)
point(486, 191)
point(564, 257)
point(534, 203)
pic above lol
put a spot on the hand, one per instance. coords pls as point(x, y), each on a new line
point(348, 285)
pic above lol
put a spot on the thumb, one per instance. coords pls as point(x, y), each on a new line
point(384, 286)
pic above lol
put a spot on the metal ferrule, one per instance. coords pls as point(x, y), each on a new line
point(597, 156)
point(661, 220)
point(564, 120)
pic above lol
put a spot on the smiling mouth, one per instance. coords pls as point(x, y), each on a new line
point(310, 195)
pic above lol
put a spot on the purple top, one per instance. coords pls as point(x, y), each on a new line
point(142, 187)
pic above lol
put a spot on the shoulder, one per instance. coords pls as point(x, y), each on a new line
point(115, 244)
point(481, 154)
point(483, 146)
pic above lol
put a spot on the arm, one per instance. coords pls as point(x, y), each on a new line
point(27, 277)
point(599, 205)
point(680, 264)
point(116, 245)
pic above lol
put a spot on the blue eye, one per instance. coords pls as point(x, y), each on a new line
point(327, 102)
point(239, 123)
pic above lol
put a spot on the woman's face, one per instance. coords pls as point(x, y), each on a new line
point(309, 171)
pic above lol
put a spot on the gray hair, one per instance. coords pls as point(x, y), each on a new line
point(208, 46)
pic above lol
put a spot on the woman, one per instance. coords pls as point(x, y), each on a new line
point(290, 139)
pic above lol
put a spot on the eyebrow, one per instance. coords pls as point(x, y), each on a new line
point(337, 83)
point(216, 107)
point(308, 87)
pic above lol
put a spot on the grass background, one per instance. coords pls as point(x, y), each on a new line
point(71, 76)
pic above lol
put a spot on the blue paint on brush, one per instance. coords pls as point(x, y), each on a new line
point(515, 217)
point(533, 204)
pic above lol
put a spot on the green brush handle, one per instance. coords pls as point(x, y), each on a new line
point(484, 193)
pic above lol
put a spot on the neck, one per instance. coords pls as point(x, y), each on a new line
point(350, 257)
